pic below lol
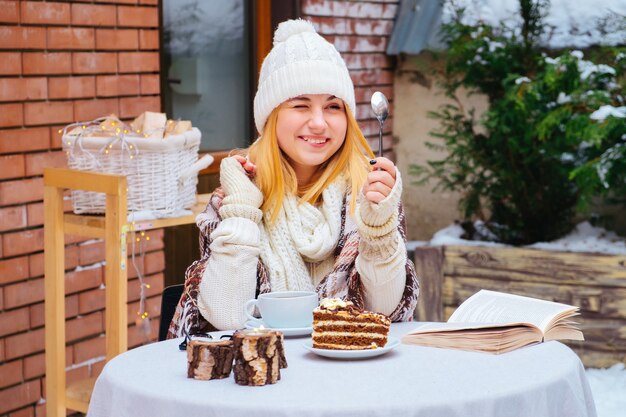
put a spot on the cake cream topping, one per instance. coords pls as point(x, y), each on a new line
point(333, 303)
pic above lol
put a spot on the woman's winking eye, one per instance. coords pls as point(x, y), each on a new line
point(333, 103)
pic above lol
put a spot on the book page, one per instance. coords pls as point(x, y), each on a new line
point(564, 330)
point(495, 307)
point(461, 328)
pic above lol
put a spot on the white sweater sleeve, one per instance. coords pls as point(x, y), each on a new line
point(381, 262)
point(384, 277)
point(229, 279)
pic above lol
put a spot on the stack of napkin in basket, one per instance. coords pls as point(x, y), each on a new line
point(148, 124)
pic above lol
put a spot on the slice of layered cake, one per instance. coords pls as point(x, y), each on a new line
point(340, 325)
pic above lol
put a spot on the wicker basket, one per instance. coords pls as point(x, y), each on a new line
point(162, 173)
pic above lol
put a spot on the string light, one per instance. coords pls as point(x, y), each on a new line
point(105, 127)
point(143, 317)
point(112, 124)
point(120, 136)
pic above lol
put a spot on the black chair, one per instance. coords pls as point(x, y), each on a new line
point(171, 297)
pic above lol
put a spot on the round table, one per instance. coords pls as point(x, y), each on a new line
point(545, 380)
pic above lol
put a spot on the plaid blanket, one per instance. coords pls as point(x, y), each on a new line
point(342, 282)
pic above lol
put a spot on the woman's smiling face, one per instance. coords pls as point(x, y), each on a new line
point(310, 129)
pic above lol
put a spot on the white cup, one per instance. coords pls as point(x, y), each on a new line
point(285, 309)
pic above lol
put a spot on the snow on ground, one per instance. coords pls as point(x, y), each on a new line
point(609, 390)
point(587, 238)
point(608, 385)
point(584, 238)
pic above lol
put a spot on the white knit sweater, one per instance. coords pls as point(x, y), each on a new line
point(229, 279)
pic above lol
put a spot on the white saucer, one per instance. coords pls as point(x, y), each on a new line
point(288, 331)
point(392, 342)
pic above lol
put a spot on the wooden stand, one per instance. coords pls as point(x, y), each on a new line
point(112, 227)
point(209, 359)
point(259, 356)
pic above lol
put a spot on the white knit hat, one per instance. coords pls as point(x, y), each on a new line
point(301, 62)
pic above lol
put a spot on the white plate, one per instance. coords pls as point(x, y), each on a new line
point(392, 342)
point(289, 331)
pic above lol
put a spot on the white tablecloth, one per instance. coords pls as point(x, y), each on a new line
point(537, 381)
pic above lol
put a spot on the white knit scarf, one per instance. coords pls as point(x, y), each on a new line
point(302, 233)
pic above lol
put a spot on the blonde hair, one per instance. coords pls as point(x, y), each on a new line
point(275, 177)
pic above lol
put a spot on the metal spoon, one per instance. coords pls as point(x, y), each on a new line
point(380, 106)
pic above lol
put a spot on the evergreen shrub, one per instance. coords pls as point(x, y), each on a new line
point(553, 137)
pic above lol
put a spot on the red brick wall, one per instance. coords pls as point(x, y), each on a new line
point(62, 62)
point(360, 30)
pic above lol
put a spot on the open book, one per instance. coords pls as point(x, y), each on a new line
point(497, 322)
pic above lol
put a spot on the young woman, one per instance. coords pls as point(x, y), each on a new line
point(307, 207)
